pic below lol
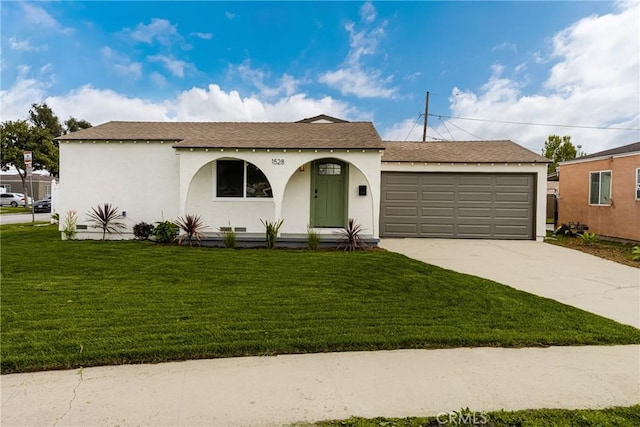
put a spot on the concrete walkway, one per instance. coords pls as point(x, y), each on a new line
point(272, 391)
point(572, 277)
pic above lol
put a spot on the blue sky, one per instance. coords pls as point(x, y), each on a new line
point(573, 63)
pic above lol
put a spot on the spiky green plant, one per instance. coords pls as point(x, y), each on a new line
point(106, 218)
point(313, 239)
point(635, 253)
point(228, 236)
point(193, 226)
point(351, 239)
point(588, 238)
point(271, 232)
point(69, 225)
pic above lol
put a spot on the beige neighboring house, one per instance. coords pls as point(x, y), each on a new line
point(316, 173)
point(12, 183)
point(602, 190)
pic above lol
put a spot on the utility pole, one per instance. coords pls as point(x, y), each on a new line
point(426, 118)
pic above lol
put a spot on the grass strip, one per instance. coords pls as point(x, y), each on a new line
point(616, 416)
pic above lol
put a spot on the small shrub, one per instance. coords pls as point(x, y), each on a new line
point(635, 253)
point(105, 217)
point(228, 237)
point(55, 218)
point(165, 232)
point(588, 238)
point(351, 239)
point(192, 225)
point(142, 230)
point(69, 225)
point(313, 239)
point(271, 231)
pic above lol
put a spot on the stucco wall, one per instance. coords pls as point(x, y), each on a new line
point(539, 170)
point(140, 179)
point(622, 218)
point(153, 181)
point(291, 188)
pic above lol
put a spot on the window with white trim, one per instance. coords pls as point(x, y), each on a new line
point(600, 188)
point(638, 184)
point(237, 178)
point(6, 187)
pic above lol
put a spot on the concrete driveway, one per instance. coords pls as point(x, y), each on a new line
point(593, 284)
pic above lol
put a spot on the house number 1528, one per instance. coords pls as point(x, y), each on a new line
point(277, 161)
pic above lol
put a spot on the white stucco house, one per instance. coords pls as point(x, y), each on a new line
point(316, 173)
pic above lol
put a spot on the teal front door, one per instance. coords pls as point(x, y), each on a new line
point(328, 193)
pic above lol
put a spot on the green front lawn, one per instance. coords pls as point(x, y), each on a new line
point(67, 304)
point(616, 416)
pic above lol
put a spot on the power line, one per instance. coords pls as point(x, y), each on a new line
point(467, 132)
point(533, 124)
point(412, 127)
point(446, 128)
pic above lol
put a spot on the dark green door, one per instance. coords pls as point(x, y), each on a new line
point(328, 194)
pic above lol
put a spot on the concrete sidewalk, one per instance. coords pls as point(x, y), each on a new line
point(572, 277)
point(272, 391)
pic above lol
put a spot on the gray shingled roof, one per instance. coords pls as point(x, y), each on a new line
point(357, 135)
point(460, 152)
point(629, 148)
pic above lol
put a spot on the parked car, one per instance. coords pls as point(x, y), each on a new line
point(43, 205)
point(13, 199)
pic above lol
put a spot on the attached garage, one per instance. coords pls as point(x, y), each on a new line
point(457, 205)
point(483, 190)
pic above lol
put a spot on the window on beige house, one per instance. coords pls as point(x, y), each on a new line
point(638, 184)
point(600, 188)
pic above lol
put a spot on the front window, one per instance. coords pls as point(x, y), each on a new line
point(7, 187)
point(638, 184)
point(600, 188)
point(237, 178)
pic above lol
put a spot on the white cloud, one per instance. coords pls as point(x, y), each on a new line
point(121, 64)
point(287, 84)
point(203, 36)
point(505, 46)
point(355, 81)
point(101, 105)
point(593, 82)
point(158, 79)
point(160, 30)
point(229, 15)
point(196, 104)
point(368, 13)
point(17, 100)
point(175, 66)
point(24, 45)
point(39, 17)
point(354, 77)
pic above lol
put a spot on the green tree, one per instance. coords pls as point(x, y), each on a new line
point(19, 136)
point(43, 117)
point(558, 149)
point(73, 125)
point(36, 135)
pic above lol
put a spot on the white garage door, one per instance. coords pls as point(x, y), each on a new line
point(457, 205)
